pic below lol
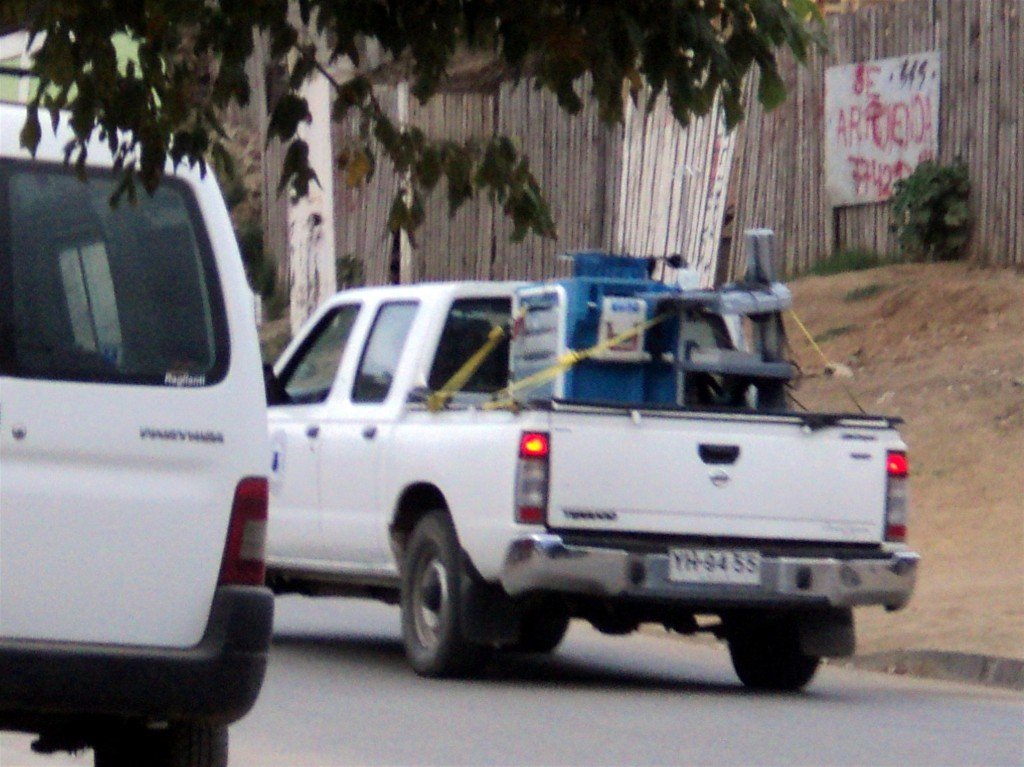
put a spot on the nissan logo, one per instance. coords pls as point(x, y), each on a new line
point(719, 477)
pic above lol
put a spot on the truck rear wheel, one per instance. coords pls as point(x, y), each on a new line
point(179, 745)
point(766, 654)
point(432, 578)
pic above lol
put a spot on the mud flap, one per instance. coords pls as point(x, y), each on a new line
point(827, 633)
point(489, 615)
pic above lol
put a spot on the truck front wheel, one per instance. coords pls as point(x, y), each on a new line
point(432, 579)
point(766, 653)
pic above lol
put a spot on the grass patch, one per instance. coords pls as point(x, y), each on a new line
point(851, 260)
point(831, 333)
point(864, 292)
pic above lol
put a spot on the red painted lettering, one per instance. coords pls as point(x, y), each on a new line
point(864, 79)
point(872, 177)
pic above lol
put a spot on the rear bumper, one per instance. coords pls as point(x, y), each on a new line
point(543, 562)
point(216, 681)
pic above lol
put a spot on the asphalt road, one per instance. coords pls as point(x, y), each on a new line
point(339, 693)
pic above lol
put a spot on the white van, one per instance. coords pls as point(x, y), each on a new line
point(133, 460)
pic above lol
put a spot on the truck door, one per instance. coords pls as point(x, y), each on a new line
point(352, 521)
point(295, 426)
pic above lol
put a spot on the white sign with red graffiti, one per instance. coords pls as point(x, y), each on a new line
point(881, 120)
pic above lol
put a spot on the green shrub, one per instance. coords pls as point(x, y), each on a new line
point(930, 212)
point(848, 260)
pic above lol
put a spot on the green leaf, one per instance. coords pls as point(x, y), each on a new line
point(429, 167)
point(398, 217)
point(31, 133)
point(285, 119)
point(458, 170)
point(771, 89)
point(358, 168)
point(296, 172)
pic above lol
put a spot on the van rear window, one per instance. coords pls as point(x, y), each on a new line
point(91, 292)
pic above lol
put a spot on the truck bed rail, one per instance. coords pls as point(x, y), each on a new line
point(812, 420)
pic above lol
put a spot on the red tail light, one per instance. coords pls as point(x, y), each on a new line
point(896, 465)
point(531, 495)
point(534, 444)
point(244, 562)
point(897, 500)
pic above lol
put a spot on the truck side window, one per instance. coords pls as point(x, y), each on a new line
point(466, 329)
point(310, 374)
point(383, 351)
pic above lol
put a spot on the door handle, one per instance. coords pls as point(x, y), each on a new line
point(718, 454)
point(369, 432)
point(313, 431)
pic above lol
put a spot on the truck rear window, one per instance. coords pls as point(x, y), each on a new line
point(466, 330)
point(90, 292)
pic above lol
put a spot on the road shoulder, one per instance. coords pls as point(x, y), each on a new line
point(1007, 673)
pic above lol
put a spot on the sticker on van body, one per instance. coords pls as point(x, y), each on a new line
point(181, 435)
point(174, 378)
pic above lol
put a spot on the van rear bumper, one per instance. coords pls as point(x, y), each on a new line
point(215, 681)
point(544, 562)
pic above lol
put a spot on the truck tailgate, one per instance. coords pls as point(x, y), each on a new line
point(723, 475)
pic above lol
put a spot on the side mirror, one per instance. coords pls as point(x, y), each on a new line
point(419, 395)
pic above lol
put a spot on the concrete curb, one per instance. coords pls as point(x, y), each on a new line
point(1007, 673)
point(945, 665)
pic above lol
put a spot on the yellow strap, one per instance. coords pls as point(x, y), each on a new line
point(506, 397)
point(828, 364)
point(438, 399)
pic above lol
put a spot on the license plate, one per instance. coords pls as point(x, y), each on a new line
point(720, 566)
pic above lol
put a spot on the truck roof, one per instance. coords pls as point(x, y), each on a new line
point(429, 290)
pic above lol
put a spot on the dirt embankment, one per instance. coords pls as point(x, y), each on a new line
point(942, 346)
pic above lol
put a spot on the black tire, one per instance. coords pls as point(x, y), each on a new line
point(178, 745)
point(542, 629)
point(432, 581)
point(766, 655)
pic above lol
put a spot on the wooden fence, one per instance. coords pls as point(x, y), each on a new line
point(778, 179)
point(648, 188)
point(568, 156)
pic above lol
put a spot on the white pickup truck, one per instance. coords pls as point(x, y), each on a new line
point(493, 520)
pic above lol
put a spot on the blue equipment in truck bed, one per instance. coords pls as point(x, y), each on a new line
point(605, 296)
point(696, 355)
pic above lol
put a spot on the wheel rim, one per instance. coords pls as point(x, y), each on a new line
point(430, 601)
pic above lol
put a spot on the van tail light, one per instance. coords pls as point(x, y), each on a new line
point(244, 562)
point(531, 494)
point(897, 499)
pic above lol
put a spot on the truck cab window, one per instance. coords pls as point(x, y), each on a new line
point(308, 377)
point(466, 330)
point(382, 352)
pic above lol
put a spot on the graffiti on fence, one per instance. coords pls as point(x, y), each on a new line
point(881, 120)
